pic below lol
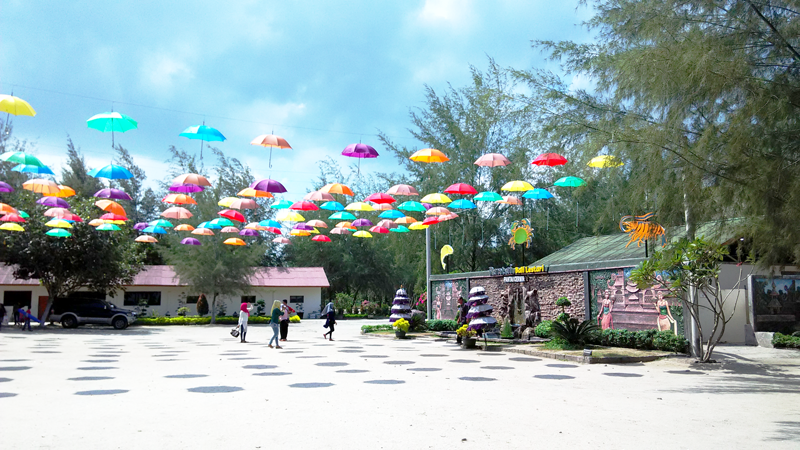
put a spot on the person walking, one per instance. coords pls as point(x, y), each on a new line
point(461, 315)
point(275, 320)
point(2, 314)
point(244, 315)
point(330, 315)
point(15, 314)
point(27, 317)
point(286, 310)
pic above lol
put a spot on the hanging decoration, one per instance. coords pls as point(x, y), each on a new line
point(641, 229)
point(521, 233)
point(445, 252)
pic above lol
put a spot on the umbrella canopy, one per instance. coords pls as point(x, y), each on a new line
point(160, 223)
point(40, 170)
point(300, 233)
point(220, 222)
point(59, 232)
point(154, 230)
point(270, 223)
point(108, 227)
point(179, 199)
point(438, 211)
point(418, 225)
point(382, 207)
point(411, 206)
point(517, 186)
point(5, 187)
point(238, 203)
point(253, 226)
point(112, 172)
point(462, 204)
point(537, 194)
point(57, 213)
point(492, 160)
point(386, 223)
point(569, 182)
point(379, 230)
point(191, 178)
point(429, 155)
point(112, 121)
point(190, 241)
point(362, 234)
point(281, 204)
point(233, 215)
point(332, 206)
point(603, 161)
point(549, 159)
point(58, 223)
point(147, 239)
point(12, 217)
point(41, 186)
point(430, 220)
point(436, 198)
point(342, 215)
point(360, 151)
point(177, 213)
point(22, 214)
point(488, 196)
point(362, 223)
point(317, 196)
point(203, 133)
point(6, 208)
point(138, 227)
point(187, 188)
point(304, 206)
point(289, 216)
point(184, 227)
point(302, 226)
point(249, 233)
point(112, 216)
point(268, 185)
point(408, 220)
point(402, 189)
point(281, 240)
point(63, 192)
point(271, 141)
point(359, 206)
point(380, 198)
point(446, 217)
point(115, 194)
point(317, 224)
point(321, 238)
point(273, 230)
point(10, 226)
point(21, 158)
point(460, 189)
point(111, 206)
point(53, 202)
point(399, 229)
point(229, 230)
point(16, 106)
point(250, 192)
point(391, 214)
point(348, 225)
point(337, 188)
point(510, 200)
point(98, 222)
point(339, 231)
point(203, 231)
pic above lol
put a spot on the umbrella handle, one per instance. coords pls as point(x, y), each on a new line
point(270, 157)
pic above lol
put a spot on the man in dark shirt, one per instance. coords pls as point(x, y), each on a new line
point(461, 315)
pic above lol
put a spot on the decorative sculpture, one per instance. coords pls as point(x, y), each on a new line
point(640, 229)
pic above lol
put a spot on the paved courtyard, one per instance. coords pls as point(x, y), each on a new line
point(197, 388)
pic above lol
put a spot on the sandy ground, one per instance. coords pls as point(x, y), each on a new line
point(198, 388)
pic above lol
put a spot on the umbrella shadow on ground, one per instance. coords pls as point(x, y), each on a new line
point(215, 389)
point(7, 394)
point(186, 375)
point(14, 368)
point(786, 431)
point(554, 377)
point(384, 382)
point(102, 392)
point(90, 378)
point(310, 385)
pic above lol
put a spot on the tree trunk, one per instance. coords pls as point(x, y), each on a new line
point(214, 309)
point(46, 311)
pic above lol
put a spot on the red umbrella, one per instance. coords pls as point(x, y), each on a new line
point(273, 230)
point(377, 229)
point(461, 189)
point(431, 220)
point(549, 159)
point(231, 214)
point(321, 238)
point(12, 217)
point(304, 206)
point(380, 197)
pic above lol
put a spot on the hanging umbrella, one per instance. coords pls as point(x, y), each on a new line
point(412, 206)
point(233, 215)
point(321, 238)
point(112, 121)
point(402, 189)
point(146, 239)
point(399, 229)
point(191, 178)
point(281, 204)
point(39, 170)
point(462, 204)
point(190, 241)
point(273, 230)
point(339, 231)
point(549, 159)
point(160, 223)
point(362, 234)
point(517, 186)
point(112, 216)
point(408, 220)
point(112, 172)
point(268, 185)
point(418, 225)
point(391, 214)
point(22, 214)
point(220, 222)
point(429, 155)
point(510, 200)
point(249, 233)
point(5, 187)
point(460, 189)
point(271, 141)
point(41, 186)
point(386, 223)
point(380, 198)
point(53, 202)
point(11, 226)
point(359, 151)
point(302, 226)
point(304, 206)
point(203, 231)
point(603, 161)
point(382, 207)
point(317, 224)
point(57, 213)
point(537, 194)
point(176, 213)
point(154, 230)
point(430, 220)
point(109, 227)
point(281, 240)
point(115, 194)
point(58, 232)
point(488, 196)
point(317, 196)
point(58, 223)
point(342, 215)
point(184, 227)
point(299, 233)
point(359, 206)
point(379, 230)
point(111, 206)
point(270, 223)
point(16, 106)
point(138, 227)
point(362, 223)
point(254, 226)
point(21, 158)
point(12, 217)
point(203, 134)
point(238, 203)
point(229, 230)
point(250, 192)
point(98, 222)
point(187, 188)
point(492, 160)
point(289, 216)
point(337, 188)
point(569, 182)
point(436, 198)
point(63, 192)
point(6, 208)
point(438, 211)
point(332, 206)
point(348, 225)
point(447, 217)
point(179, 199)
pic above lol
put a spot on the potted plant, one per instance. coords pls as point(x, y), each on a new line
point(401, 328)
point(467, 337)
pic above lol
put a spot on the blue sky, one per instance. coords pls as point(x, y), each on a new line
point(322, 74)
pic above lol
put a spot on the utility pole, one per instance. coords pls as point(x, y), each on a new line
point(428, 270)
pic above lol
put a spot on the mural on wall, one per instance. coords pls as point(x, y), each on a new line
point(445, 298)
point(617, 303)
point(776, 304)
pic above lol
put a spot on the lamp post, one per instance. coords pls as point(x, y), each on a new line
point(428, 270)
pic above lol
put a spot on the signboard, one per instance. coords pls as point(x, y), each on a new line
point(516, 270)
point(514, 279)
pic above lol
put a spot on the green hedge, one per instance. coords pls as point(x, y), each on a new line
point(780, 340)
point(642, 340)
point(196, 320)
point(442, 325)
point(355, 316)
point(372, 328)
point(543, 329)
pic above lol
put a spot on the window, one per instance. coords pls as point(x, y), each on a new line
point(296, 299)
point(21, 298)
point(248, 299)
point(132, 298)
point(192, 299)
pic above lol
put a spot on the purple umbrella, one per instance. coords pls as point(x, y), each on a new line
point(362, 223)
point(114, 194)
point(190, 241)
point(5, 187)
point(303, 226)
point(53, 202)
point(359, 151)
point(268, 186)
point(187, 188)
point(248, 232)
point(140, 226)
point(427, 206)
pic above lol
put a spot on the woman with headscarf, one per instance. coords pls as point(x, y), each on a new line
point(244, 315)
point(330, 315)
point(275, 321)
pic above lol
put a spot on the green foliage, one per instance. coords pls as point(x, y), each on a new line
point(222, 309)
point(355, 316)
point(573, 332)
point(261, 305)
point(343, 302)
point(182, 311)
point(195, 320)
point(202, 306)
point(442, 325)
point(563, 302)
point(506, 332)
point(418, 322)
point(780, 340)
point(373, 328)
point(544, 329)
point(641, 340)
point(562, 317)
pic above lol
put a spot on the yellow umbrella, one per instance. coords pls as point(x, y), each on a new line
point(314, 231)
point(517, 186)
point(146, 238)
point(203, 232)
point(436, 198)
point(287, 215)
point(41, 186)
point(429, 155)
point(16, 106)
point(362, 234)
point(603, 161)
point(64, 192)
point(11, 226)
point(299, 233)
point(184, 227)
point(58, 223)
point(234, 241)
point(417, 226)
point(96, 222)
point(115, 222)
point(250, 192)
point(359, 206)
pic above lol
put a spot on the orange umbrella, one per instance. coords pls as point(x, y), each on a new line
point(111, 207)
point(191, 178)
point(96, 222)
point(179, 199)
point(184, 227)
point(176, 212)
point(254, 226)
point(63, 192)
point(337, 188)
point(429, 155)
point(271, 141)
point(4, 208)
point(250, 192)
point(402, 189)
point(41, 186)
point(203, 232)
point(234, 241)
point(300, 233)
point(146, 238)
point(406, 220)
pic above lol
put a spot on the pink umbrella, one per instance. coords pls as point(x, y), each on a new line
point(318, 196)
point(321, 238)
point(402, 189)
point(176, 212)
point(281, 240)
point(380, 230)
point(340, 231)
point(492, 160)
point(386, 223)
point(229, 230)
point(380, 198)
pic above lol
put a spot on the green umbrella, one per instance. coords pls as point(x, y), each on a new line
point(108, 227)
point(161, 223)
point(22, 158)
point(569, 182)
point(399, 229)
point(342, 215)
point(112, 121)
point(488, 196)
point(22, 214)
point(411, 206)
point(281, 204)
point(59, 232)
point(222, 221)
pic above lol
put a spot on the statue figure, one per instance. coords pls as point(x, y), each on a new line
point(533, 314)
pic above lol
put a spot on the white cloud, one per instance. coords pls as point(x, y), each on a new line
point(453, 13)
point(161, 71)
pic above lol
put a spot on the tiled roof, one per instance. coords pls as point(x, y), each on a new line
point(165, 276)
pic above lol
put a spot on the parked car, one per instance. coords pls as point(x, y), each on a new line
point(72, 312)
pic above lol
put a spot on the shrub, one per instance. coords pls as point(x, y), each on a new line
point(373, 328)
point(343, 302)
point(562, 317)
point(294, 319)
point(202, 306)
point(642, 340)
point(261, 305)
point(574, 332)
point(442, 325)
point(197, 320)
point(563, 302)
point(417, 321)
point(355, 316)
point(780, 340)
point(182, 311)
point(465, 332)
point(222, 309)
point(401, 324)
point(543, 329)
point(506, 332)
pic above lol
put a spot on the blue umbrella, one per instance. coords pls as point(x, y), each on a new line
point(154, 230)
point(332, 206)
point(538, 194)
point(462, 204)
point(204, 134)
point(281, 204)
point(33, 169)
point(342, 215)
point(391, 214)
point(270, 223)
point(412, 206)
point(210, 226)
point(112, 172)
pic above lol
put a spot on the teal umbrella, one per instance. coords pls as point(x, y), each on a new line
point(462, 204)
point(488, 196)
point(21, 158)
point(270, 223)
point(391, 214)
point(342, 215)
point(210, 226)
point(411, 206)
point(399, 229)
point(60, 232)
point(222, 222)
point(112, 121)
point(112, 172)
point(161, 223)
point(537, 194)
point(108, 227)
point(332, 206)
point(203, 134)
point(569, 182)
point(281, 204)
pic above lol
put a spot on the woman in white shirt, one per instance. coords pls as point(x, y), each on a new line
point(244, 314)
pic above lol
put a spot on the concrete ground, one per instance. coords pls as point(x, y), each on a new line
point(198, 388)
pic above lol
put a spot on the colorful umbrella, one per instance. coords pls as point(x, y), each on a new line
point(549, 159)
point(362, 223)
point(10, 226)
point(429, 155)
point(250, 192)
point(342, 215)
point(321, 238)
point(317, 224)
point(488, 196)
point(402, 189)
point(380, 198)
point(273, 230)
point(6, 208)
point(270, 223)
point(299, 233)
point(229, 230)
point(271, 141)
point(537, 194)
point(238, 203)
point(254, 226)
point(16, 106)
point(5, 187)
point(304, 206)
point(112, 121)
point(203, 134)
point(268, 185)
point(12, 217)
point(108, 227)
point(146, 239)
point(408, 220)
point(249, 233)
point(58, 232)
point(39, 170)
point(98, 222)
point(115, 194)
point(57, 213)
point(233, 215)
point(517, 186)
point(21, 158)
point(430, 220)
point(603, 161)
point(359, 206)
point(111, 206)
point(462, 204)
point(438, 211)
point(339, 231)
point(179, 199)
point(510, 200)
point(176, 213)
point(187, 188)
point(138, 227)
point(302, 226)
point(435, 198)
point(391, 214)
point(154, 230)
point(202, 231)
point(160, 223)
point(191, 241)
point(112, 172)
point(332, 206)
point(359, 151)
point(191, 178)
point(289, 216)
point(386, 223)
point(418, 225)
point(184, 227)
point(447, 217)
point(383, 207)
point(41, 186)
point(348, 225)
point(58, 223)
point(379, 230)
point(317, 196)
point(23, 214)
point(63, 192)
point(569, 182)
point(399, 229)
point(112, 216)
point(219, 222)
point(281, 204)
point(281, 240)
point(412, 206)
point(492, 160)
point(362, 234)
point(337, 188)
point(460, 189)
point(53, 202)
